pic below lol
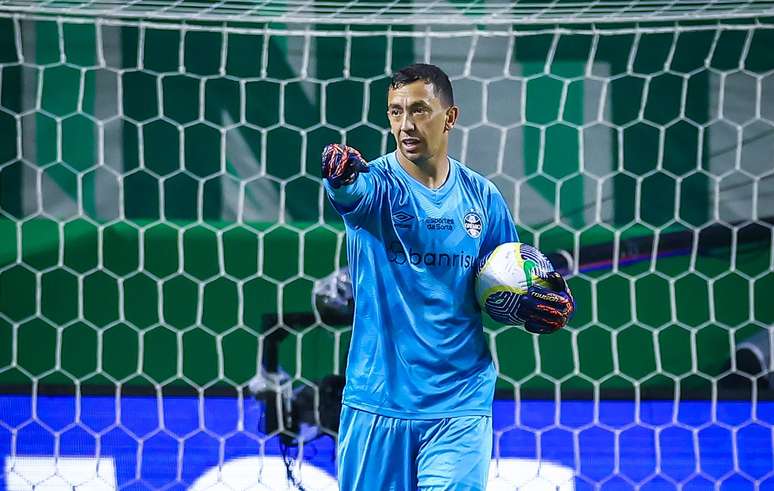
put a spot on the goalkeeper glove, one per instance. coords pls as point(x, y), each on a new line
point(547, 310)
point(341, 165)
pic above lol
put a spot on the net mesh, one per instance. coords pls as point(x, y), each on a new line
point(426, 12)
point(163, 223)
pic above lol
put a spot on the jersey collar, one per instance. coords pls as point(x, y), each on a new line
point(413, 183)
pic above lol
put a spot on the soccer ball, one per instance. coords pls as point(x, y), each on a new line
point(504, 275)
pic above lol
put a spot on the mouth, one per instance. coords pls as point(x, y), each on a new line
point(410, 144)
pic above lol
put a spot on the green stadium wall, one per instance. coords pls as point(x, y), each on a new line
point(165, 286)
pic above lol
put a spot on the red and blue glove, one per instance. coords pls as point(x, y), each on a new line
point(341, 165)
point(546, 310)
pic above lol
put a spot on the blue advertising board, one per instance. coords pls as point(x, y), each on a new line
point(186, 442)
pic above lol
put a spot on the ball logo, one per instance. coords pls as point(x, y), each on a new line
point(472, 223)
point(529, 267)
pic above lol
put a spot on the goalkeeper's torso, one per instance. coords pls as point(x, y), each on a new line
point(418, 348)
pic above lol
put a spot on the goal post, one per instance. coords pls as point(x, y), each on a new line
point(162, 221)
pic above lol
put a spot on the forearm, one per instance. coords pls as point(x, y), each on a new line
point(348, 196)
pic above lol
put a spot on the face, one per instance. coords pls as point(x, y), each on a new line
point(419, 121)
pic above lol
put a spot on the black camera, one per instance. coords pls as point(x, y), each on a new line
point(301, 412)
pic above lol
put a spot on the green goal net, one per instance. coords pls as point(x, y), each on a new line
point(162, 216)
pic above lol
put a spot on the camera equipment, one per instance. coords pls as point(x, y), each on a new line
point(301, 413)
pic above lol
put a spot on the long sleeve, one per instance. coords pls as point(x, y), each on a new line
point(501, 227)
point(347, 197)
point(355, 201)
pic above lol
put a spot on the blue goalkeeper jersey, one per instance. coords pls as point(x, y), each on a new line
point(418, 348)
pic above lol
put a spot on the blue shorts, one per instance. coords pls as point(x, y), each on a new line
point(383, 453)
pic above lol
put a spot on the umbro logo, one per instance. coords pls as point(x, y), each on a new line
point(402, 219)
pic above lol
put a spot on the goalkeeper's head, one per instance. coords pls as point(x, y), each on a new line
point(421, 110)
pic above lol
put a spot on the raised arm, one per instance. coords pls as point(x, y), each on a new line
point(341, 166)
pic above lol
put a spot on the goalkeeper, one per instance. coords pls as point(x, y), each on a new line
point(420, 378)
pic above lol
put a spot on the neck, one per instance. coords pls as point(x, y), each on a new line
point(431, 173)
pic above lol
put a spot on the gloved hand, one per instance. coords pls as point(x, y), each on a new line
point(546, 310)
point(342, 164)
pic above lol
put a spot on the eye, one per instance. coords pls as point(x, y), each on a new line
point(394, 112)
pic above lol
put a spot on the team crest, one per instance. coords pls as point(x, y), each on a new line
point(473, 224)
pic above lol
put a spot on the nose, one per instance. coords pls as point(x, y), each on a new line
point(406, 123)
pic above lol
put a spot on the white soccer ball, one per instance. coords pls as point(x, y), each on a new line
point(505, 275)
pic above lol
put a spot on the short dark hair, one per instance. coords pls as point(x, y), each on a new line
point(429, 74)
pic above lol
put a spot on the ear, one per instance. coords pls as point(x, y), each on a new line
point(451, 117)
